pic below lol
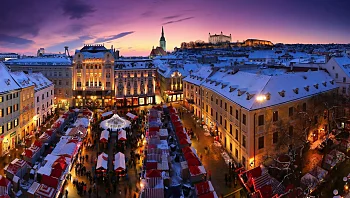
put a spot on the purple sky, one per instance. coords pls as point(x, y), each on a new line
point(134, 26)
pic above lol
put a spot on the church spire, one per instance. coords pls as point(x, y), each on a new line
point(162, 41)
point(162, 32)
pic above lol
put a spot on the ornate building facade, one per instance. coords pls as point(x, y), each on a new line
point(170, 82)
point(134, 82)
point(93, 76)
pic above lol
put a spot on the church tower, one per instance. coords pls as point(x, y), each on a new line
point(162, 41)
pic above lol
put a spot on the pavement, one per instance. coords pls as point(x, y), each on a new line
point(213, 161)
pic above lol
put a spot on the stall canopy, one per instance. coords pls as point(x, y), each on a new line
point(102, 161)
point(104, 136)
point(153, 173)
point(132, 116)
point(45, 191)
point(5, 185)
point(122, 135)
point(204, 188)
point(105, 114)
point(119, 163)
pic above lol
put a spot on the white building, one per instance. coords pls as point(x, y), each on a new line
point(339, 69)
point(214, 39)
point(9, 110)
point(44, 97)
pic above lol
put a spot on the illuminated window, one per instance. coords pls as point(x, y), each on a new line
point(16, 122)
point(9, 126)
point(1, 129)
point(1, 99)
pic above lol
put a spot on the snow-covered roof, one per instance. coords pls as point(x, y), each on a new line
point(133, 64)
point(56, 61)
point(344, 64)
point(65, 147)
point(198, 77)
point(22, 79)
point(6, 82)
point(245, 88)
point(102, 161)
point(93, 55)
point(39, 80)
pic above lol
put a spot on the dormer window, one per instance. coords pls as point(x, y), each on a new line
point(207, 80)
point(316, 86)
point(232, 89)
point(7, 81)
point(324, 84)
point(307, 88)
point(296, 90)
point(282, 93)
point(268, 96)
point(211, 82)
point(332, 82)
point(250, 96)
point(223, 86)
point(305, 77)
point(240, 92)
point(217, 83)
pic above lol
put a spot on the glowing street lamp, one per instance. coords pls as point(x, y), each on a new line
point(261, 98)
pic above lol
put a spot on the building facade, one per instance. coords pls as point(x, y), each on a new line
point(93, 76)
point(221, 38)
point(339, 69)
point(256, 116)
point(135, 82)
point(9, 111)
point(57, 68)
point(26, 107)
point(170, 82)
point(44, 98)
point(257, 42)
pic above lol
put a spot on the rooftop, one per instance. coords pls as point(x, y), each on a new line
point(49, 61)
point(39, 80)
point(22, 79)
point(6, 82)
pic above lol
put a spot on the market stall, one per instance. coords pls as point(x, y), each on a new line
point(5, 186)
point(119, 162)
point(122, 135)
point(104, 136)
point(197, 173)
point(204, 188)
point(17, 167)
point(102, 164)
point(132, 116)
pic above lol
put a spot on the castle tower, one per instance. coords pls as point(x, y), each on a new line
point(162, 41)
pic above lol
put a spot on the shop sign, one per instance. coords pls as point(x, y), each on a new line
point(12, 134)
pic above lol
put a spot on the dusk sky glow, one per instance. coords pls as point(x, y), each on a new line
point(134, 26)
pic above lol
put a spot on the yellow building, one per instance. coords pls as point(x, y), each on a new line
point(93, 76)
point(255, 116)
point(26, 107)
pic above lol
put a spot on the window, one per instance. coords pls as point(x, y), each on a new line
point(16, 122)
point(211, 98)
point(231, 129)
point(42, 96)
point(225, 123)
point(336, 75)
point(1, 99)
point(304, 106)
point(59, 82)
point(221, 103)
point(37, 99)
point(217, 101)
point(47, 94)
point(211, 111)
point(244, 121)
point(236, 114)
point(290, 131)
point(206, 108)
point(333, 67)
point(343, 90)
point(51, 92)
point(108, 84)
point(2, 129)
point(230, 110)
point(231, 147)
point(78, 84)
point(1, 113)
point(344, 79)
point(237, 134)
point(59, 73)
point(244, 141)
point(236, 153)
point(261, 120)
point(216, 115)
point(9, 126)
point(9, 110)
point(220, 119)
point(67, 83)
point(108, 75)
point(275, 137)
point(243, 161)
point(275, 116)
point(291, 111)
point(261, 142)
